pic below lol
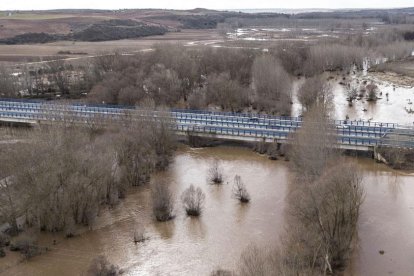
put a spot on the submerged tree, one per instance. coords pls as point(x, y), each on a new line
point(215, 174)
point(162, 202)
point(100, 266)
point(193, 200)
point(323, 206)
point(240, 191)
point(315, 92)
point(272, 85)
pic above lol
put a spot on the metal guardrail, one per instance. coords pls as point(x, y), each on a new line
point(224, 123)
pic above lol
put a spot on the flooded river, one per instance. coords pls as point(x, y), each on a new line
point(397, 107)
point(196, 246)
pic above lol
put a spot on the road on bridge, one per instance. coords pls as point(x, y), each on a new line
point(224, 124)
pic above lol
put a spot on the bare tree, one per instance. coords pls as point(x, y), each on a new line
point(259, 261)
point(100, 266)
point(240, 191)
point(315, 91)
point(162, 201)
point(139, 234)
point(163, 85)
point(324, 202)
point(272, 85)
point(314, 145)
point(372, 92)
point(59, 72)
point(327, 210)
point(227, 93)
point(215, 174)
point(9, 87)
point(352, 93)
point(193, 200)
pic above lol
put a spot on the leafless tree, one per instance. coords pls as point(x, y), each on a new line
point(372, 92)
point(240, 191)
point(315, 91)
point(163, 85)
point(139, 234)
point(227, 93)
point(314, 145)
point(352, 93)
point(193, 200)
point(9, 87)
point(162, 201)
point(272, 85)
point(260, 261)
point(215, 174)
point(59, 73)
point(324, 202)
point(100, 266)
point(327, 210)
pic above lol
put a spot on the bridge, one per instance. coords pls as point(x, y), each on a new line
point(355, 135)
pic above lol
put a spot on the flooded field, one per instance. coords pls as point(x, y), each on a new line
point(186, 246)
point(394, 103)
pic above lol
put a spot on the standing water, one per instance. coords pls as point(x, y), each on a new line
point(196, 246)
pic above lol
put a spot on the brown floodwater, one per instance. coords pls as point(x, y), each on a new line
point(196, 246)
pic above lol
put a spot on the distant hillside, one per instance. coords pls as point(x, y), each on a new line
point(117, 29)
point(102, 31)
point(19, 27)
point(31, 38)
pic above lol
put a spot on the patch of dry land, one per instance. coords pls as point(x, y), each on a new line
point(39, 52)
point(398, 72)
point(394, 78)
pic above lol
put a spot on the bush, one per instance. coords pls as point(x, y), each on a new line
point(215, 174)
point(4, 240)
point(2, 253)
point(273, 151)
point(101, 267)
point(193, 200)
point(258, 261)
point(116, 30)
point(139, 234)
point(26, 246)
point(162, 204)
point(372, 92)
point(70, 228)
point(240, 191)
point(222, 272)
point(315, 91)
point(260, 147)
point(272, 85)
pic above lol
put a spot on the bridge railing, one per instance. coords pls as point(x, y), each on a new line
point(350, 132)
point(248, 116)
point(358, 141)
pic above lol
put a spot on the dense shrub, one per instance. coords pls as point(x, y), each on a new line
point(118, 29)
point(29, 38)
point(272, 85)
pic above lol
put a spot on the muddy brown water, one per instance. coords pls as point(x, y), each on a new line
point(196, 246)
